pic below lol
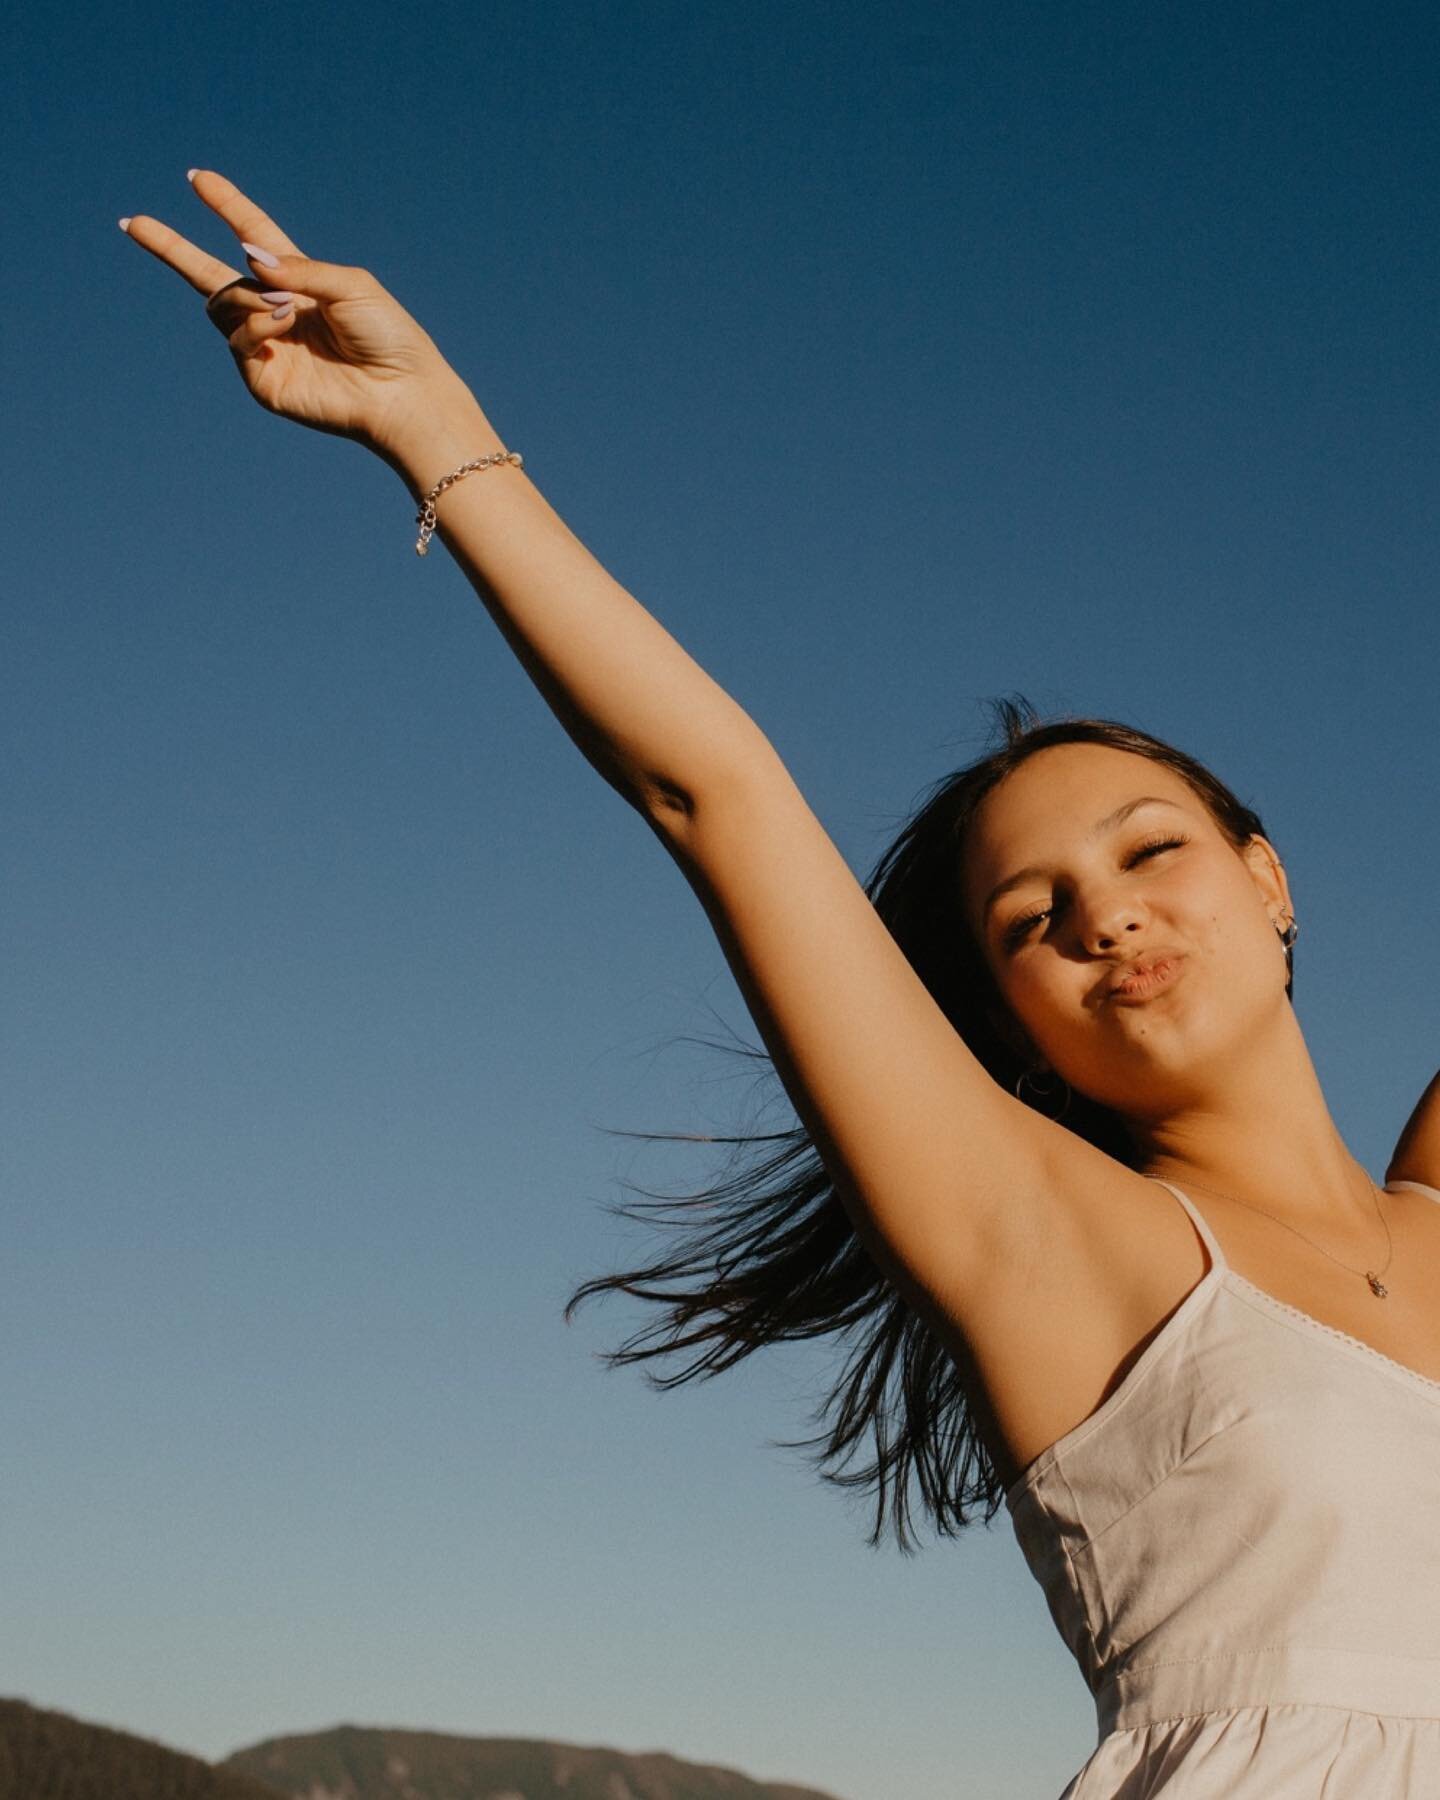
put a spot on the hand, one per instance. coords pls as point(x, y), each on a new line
point(348, 359)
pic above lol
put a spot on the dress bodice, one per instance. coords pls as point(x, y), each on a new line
point(1241, 1547)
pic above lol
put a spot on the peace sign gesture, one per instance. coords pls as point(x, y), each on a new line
point(317, 342)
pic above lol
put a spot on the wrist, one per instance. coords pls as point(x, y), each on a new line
point(435, 438)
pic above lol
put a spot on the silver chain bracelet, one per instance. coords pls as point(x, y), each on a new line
point(425, 518)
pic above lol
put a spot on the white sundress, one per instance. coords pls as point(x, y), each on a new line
point(1241, 1548)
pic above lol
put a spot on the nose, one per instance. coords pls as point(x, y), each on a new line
point(1103, 917)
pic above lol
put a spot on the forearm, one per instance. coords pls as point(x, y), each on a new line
point(645, 714)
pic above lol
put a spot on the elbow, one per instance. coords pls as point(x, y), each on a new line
point(729, 786)
point(665, 803)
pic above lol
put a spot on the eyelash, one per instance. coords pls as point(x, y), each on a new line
point(1021, 926)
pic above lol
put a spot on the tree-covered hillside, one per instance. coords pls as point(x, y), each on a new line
point(353, 1763)
point(49, 1756)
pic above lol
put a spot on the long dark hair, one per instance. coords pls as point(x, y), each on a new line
point(766, 1253)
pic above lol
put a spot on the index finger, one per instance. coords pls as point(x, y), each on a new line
point(208, 274)
point(205, 273)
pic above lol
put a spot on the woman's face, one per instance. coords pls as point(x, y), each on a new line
point(1087, 863)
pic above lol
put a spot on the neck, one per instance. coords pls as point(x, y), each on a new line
point(1261, 1132)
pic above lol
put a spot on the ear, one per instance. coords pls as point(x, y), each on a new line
point(1268, 873)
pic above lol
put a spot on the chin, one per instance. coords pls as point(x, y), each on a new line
point(1156, 1073)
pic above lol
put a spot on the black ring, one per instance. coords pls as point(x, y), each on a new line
point(239, 281)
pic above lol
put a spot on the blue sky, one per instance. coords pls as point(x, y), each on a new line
point(896, 358)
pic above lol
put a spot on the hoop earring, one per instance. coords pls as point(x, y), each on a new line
point(1290, 932)
point(1044, 1093)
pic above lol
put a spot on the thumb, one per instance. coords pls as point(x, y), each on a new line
point(316, 280)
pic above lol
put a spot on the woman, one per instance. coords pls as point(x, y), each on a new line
point(1068, 1006)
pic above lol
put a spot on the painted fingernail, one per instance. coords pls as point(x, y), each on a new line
point(263, 257)
point(125, 225)
point(276, 295)
point(283, 312)
point(190, 174)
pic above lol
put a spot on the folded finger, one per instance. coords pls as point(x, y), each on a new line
point(249, 222)
point(250, 336)
point(240, 300)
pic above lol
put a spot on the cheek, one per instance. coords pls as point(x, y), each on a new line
point(1044, 992)
point(1238, 926)
point(1241, 959)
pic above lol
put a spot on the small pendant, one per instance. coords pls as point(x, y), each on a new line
point(1376, 1286)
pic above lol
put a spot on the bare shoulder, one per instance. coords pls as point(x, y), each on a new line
point(1079, 1278)
point(1417, 1154)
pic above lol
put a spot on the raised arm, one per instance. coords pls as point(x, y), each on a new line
point(933, 1160)
point(915, 1133)
point(644, 712)
point(1417, 1154)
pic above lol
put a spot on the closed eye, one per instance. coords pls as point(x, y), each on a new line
point(1019, 928)
point(1152, 845)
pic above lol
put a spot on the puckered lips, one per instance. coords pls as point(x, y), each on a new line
point(1142, 977)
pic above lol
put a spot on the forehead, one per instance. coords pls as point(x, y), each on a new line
point(1053, 801)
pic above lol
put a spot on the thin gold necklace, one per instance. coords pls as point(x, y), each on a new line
point(1377, 1287)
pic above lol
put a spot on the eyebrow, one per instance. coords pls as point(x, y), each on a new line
point(1108, 823)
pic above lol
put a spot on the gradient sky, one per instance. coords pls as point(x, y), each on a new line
point(896, 358)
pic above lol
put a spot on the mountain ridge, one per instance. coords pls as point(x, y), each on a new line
point(45, 1754)
point(354, 1762)
point(51, 1755)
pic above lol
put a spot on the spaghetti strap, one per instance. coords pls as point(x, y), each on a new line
point(1419, 1186)
point(1207, 1236)
point(1251, 1615)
